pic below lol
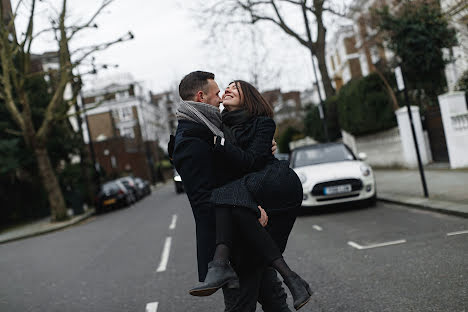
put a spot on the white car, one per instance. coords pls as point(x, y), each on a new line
point(330, 174)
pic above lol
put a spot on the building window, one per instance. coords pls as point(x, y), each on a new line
point(121, 95)
point(125, 113)
point(127, 132)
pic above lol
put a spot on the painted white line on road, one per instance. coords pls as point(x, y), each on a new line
point(317, 227)
point(457, 233)
point(152, 307)
point(360, 247)
point(173, 222)
point(165, 255)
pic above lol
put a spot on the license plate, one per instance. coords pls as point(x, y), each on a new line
point(337, 189)
point(109, 202)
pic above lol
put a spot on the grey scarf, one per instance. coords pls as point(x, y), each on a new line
point(201, 113)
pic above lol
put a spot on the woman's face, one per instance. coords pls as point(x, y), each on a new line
point(232, 97)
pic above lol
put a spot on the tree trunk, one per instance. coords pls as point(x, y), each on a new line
point(58, 208)
point(327, 85)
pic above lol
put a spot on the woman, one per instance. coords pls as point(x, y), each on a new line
point(248, 130)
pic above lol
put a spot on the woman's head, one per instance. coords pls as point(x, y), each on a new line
point(241, 94)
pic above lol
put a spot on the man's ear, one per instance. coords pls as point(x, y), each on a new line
point(199, 96)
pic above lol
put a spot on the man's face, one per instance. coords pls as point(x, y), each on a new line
point(212, 95)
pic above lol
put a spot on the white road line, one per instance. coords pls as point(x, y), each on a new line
point(357, 246)
point(152, 307)
point(173, 222)
point(317, 227)
point(165, 255)
point(457, 233)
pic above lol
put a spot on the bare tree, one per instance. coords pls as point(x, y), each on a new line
point(311, 13)
point(16, 69)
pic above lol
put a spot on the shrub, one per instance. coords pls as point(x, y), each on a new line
point(313, 124)
point(288, 135)
point(462, 84)
point(364, 106)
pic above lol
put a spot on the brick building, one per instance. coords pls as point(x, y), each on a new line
point(123, 130)
point(287, 108)
point(343, 57)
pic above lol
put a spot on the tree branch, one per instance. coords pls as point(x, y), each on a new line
point(88, 24)
point(100, 47)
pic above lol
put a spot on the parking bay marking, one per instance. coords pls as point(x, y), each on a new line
point(165, 255)
point(173, 222)
point(316, 227)
point(457, 233)
point(359, 247)
point(152, 307)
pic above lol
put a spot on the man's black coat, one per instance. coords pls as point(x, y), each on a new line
point(194, 160)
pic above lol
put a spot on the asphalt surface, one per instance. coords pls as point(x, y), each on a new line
point(387, 258)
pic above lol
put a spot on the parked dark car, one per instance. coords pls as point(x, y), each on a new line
point(113, 195)
point(179, 187)
point(129, 183)
point(144, 186)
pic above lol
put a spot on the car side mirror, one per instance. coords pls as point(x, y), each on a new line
point(362, 156)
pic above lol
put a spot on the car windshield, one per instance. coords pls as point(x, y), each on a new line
point(321, 154)
point(109, 187)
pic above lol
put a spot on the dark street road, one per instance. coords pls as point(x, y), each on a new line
point(387, 258)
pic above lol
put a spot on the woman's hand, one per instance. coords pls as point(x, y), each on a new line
point(263, 217)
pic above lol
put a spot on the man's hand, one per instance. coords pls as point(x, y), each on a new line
point(273, 146)
point(263, 217)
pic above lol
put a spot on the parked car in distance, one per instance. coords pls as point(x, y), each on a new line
point(129, 183)
point(330, 173)
point(282, 156)
point(112, 195)
point(179, 186)
point(144, 186)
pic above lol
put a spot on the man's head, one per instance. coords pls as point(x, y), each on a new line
point(199, 86)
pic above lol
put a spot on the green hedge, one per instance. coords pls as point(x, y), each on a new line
point(290, 134)
point(313, 124)
point(365, 107)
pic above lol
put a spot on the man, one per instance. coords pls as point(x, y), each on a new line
point(202, 172)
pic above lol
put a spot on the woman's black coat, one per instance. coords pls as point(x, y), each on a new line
point(263, 180)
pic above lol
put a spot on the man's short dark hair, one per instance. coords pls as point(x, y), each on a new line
point(194, 82)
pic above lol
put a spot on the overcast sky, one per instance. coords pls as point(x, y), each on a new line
point(170, 43)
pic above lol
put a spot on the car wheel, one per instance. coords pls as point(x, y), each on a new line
point(372, 202)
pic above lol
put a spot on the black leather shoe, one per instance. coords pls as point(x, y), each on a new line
point(220, 273)
point(300, 290)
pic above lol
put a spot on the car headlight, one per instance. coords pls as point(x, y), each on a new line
point(178, 178)
point(302, 177)
point(365, 170)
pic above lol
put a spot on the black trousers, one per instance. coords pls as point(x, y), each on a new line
point(249, 229)
point(258, 281)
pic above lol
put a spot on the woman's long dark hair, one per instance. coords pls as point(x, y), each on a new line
point(252, 100)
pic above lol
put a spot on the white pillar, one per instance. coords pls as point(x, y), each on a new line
point(455, 119)
point(407, 140)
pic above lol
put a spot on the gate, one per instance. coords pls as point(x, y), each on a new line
point(435, 130)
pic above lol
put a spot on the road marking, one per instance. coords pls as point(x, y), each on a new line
point(357, 246)
point(316, 227)
point(152, 307)
point(457, 233)
point(165, 255)
point(173, 222)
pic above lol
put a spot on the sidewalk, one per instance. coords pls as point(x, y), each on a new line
point(40, 227)
point(447, 189)
point(43, 226)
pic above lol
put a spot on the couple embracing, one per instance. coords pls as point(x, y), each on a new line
point(243, 199)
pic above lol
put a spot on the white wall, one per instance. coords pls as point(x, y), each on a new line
point(407, 140)
point(455, 119)
point(383, 149)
